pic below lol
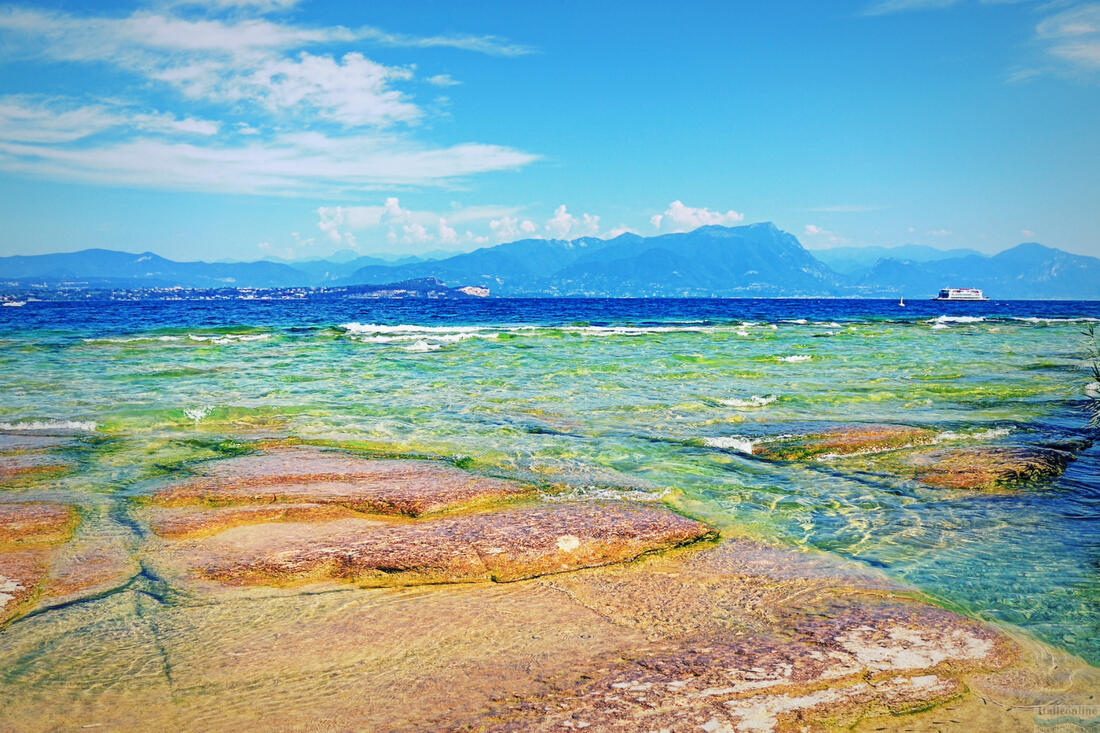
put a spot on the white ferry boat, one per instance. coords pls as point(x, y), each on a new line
point(960, 294)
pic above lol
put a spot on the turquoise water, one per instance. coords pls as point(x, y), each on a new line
point(646, 398)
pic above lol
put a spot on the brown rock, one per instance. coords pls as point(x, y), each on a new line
point(33, 523)
point(181, 522)
point(843, 440)
point(988, 468)
point(503, 545)
point(21, 571)
point(28, 465)
point(310, 476)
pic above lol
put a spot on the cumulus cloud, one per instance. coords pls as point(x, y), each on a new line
point(823, 235)
point(563, 225)
point(680, 218)
point(508, 228)
point(390, 220)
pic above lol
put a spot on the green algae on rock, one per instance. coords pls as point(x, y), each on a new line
point(311, 476)
point(502, 545)
point(988, 467)
point(36, 523)
point(841, 440)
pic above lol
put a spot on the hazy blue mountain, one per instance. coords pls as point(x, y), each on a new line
point(522, 267)
point(110, 269)
point(848, 260)
point(757, 260)
point(750, 260)
point(1023, 272)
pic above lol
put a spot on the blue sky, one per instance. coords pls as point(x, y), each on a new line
point(273, 128)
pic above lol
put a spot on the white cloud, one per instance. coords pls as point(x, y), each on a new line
point(508, 228)
point(345, 224)
point(886, 7)
point(939, 233)
point(30, 118)
point(563, 225)
point(1027, 233)
point(822, 234)
point(1073, 36)
point(352, 91)
point(320, 123)
point(680, 218)
point(442, 80)
point(287, 164)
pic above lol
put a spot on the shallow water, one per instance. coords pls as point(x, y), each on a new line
point(657, 399)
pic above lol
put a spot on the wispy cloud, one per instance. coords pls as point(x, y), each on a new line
point(1073, 36)
point(886, 7)
point(295, 116)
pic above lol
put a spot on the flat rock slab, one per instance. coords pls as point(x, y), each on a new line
point(21, 572)
point(179, 522)
point(10, 442)
point(842, 440)
point(988, 468)
point(32, 523)
point(754, 683)
point(29, 465)
point(502, 545)
point(745, 649)
point(311, 476)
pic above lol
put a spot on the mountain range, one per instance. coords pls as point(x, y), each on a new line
point(756, 260)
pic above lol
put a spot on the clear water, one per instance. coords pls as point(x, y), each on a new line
point(611, 397)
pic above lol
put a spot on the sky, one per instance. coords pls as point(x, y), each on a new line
point(248, 129)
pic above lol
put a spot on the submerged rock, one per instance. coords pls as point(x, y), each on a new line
point(35, 523)
point(311, 476)
point(503, 545)
point(11, 442)
point(988, 467)
point(21, 572)
point(742, 643)
point(841, 440)
point(29, 465)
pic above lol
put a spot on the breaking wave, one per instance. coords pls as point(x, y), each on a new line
point(754, 401)
point(46, 425)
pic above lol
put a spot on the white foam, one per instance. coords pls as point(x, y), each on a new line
point(798, 357)
point(956, 319)
point(378, 328)
point(732, 442)
point(940, 326)
point(754, 401)
point(131, 339)
point(799, 321)
point(198, 413)
point(1092, 389)
point(1035, 319)
point(988, 434)
point(38, 425)
point(421, 346)
point(228, 338)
